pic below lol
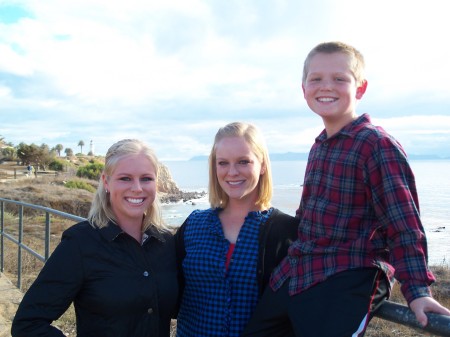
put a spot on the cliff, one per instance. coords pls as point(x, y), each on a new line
point(168, 189)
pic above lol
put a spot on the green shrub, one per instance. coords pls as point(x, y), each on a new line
point(57, 165)
point(91, 171)
point(81, 185)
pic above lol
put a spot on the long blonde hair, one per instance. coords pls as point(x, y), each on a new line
point(101, 212)
point(252, 135)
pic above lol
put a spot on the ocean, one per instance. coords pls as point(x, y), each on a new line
point(432, 179)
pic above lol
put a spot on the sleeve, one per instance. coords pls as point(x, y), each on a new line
point(51, 293)
point(279, 233)
point(396, 205)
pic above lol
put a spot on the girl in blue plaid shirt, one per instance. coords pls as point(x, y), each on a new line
point(226, 253)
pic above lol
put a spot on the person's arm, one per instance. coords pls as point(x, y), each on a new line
point(277, 234)
point(180, 254)
point(51, 294)
point(396, 204)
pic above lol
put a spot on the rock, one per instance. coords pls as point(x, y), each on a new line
point(165, 182)
point(168, 190)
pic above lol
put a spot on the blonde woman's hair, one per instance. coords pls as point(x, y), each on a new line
point(357, 59)
point(254, 138)
point(101, 212)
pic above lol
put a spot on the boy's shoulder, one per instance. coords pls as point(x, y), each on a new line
point(363, 129)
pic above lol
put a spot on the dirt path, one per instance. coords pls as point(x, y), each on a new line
point(10, 298)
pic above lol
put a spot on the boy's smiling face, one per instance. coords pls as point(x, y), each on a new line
point(330, 88)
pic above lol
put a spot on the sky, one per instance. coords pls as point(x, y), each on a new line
point(172, 72)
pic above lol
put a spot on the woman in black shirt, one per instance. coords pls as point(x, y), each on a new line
point(118, 267)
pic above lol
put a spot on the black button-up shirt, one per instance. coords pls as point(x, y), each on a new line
point(118, 287)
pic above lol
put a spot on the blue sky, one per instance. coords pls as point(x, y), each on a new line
point(172, 72)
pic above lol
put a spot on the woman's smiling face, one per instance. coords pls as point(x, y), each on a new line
point(131, 188)
point(238, 169)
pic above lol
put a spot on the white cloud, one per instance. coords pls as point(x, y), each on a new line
point(172, 72)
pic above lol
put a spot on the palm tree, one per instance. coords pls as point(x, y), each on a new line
point(68, 151)
point(58, 149)
point(81, 144)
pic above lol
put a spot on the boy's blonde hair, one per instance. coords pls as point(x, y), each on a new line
point(101, 211)
point(357, 60)
point(253, 137)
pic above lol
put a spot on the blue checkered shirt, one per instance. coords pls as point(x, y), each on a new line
point(216, 301)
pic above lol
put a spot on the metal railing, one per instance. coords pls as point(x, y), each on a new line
point(19, 241)
point(391, 311)
point(438, 325)
point(11, 174)
point(16, 173)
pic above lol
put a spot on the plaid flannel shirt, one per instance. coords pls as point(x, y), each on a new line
point(359, 208)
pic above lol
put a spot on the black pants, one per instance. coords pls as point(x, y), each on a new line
point(341, 306)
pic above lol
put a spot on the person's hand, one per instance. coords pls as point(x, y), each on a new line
point(422, 305)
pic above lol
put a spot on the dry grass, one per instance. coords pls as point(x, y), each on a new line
point(48, 192)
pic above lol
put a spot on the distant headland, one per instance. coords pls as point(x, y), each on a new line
point(288, 156)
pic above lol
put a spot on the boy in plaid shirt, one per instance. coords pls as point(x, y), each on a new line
point(359, 218)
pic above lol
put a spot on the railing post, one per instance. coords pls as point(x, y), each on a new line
point(47, 236)
point(19, 239)
point(2, 229)
point(19, 252)
point(15, 173)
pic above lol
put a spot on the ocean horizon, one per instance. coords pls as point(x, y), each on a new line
point(432, 180)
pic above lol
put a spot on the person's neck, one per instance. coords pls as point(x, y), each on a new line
point(241, 207)
point(333, 126)
point(233, 217)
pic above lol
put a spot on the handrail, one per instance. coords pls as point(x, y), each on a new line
point(390, 311)
point(16, 173)
point(438, 325)
point(19, 241)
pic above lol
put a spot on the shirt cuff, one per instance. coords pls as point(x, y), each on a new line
point(413, 292)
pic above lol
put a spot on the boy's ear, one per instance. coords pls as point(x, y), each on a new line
point(303, 89)
point(361, 90)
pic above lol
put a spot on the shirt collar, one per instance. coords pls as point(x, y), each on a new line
point(112, 231)
point(349, 130)
point(216, 227)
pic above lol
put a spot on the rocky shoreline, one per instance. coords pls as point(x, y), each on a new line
point(168, 198)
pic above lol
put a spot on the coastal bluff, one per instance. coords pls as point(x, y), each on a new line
point(51, 190)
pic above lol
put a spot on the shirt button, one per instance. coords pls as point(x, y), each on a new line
point(150, 311)
point(145, 273)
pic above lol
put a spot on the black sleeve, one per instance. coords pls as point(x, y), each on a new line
point(51, 293)
point(279, 233)
point(180, 253)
